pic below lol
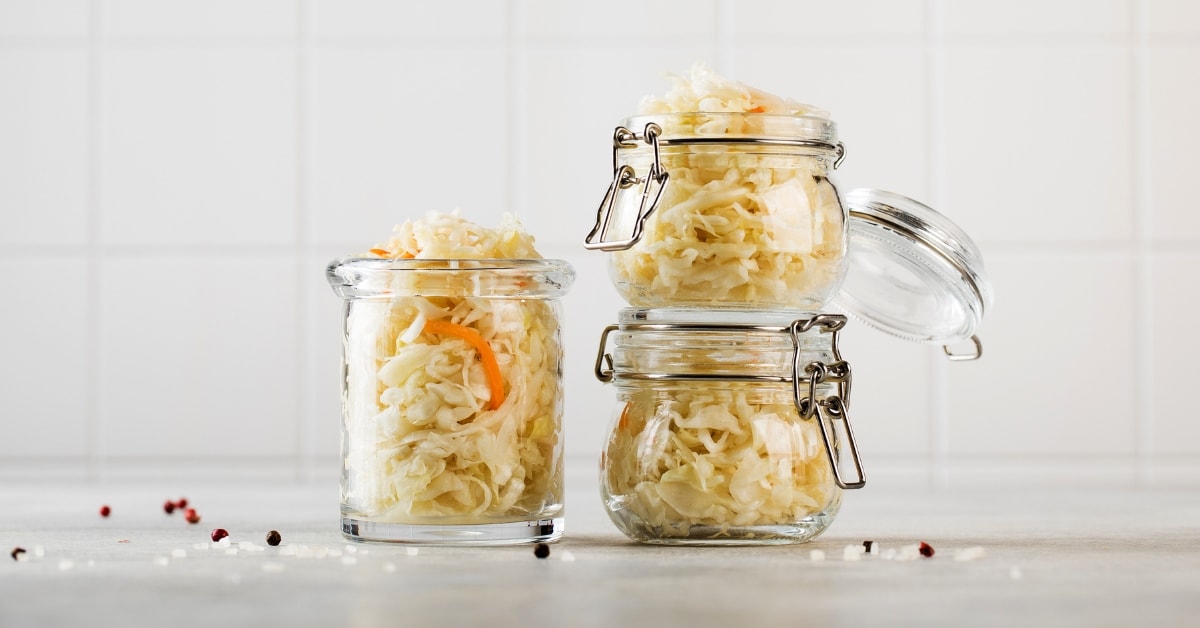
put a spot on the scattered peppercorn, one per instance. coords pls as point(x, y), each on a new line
point(168, 506)
point(105, 511)
point(541, 550)
point(182, 503)
point(273, 538)
point(190, 516)
point(925, 549)
point(867, 545)
point(17, 551)
point(219, 534)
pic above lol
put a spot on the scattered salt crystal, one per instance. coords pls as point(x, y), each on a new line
point(39, 551)
point(909, 552)
point(288, 550)
point(566, 556)
point(224, 542)
point(178, 553)
point(200, 546)
point(333, 553)
point(1014, 572)
point(161, 561)
point(349, 560)
point(389, 567)
point(970, 553)
point(412, 551)
point(250, 547)
point(816, 555)
point(65, 565)
point(272, 567)
point(91, 563)
point(321, 552)
point(852, 552)
point(231, 551)
point(889, 554)
point(350, 549)
point(235, 578)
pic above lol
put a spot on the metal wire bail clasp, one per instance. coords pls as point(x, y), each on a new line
point(829, 411)
point(625, 177)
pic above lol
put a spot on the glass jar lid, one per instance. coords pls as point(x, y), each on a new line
point(912, 272)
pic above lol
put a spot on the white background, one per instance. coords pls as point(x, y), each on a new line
point(174, 175)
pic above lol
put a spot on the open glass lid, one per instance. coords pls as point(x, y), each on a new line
point(913, 273)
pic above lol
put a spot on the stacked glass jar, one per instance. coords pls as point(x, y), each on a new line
point(731, 245)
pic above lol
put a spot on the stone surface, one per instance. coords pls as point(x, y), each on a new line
point(1049, 558)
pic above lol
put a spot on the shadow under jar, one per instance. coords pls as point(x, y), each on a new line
point(452, 400)
point(724, 210)
point(729, 429)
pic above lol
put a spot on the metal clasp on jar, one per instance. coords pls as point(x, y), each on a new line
point(830, 411)
point(624, 177)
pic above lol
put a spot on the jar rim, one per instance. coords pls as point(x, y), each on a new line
point(531, 278)
point(737, 125)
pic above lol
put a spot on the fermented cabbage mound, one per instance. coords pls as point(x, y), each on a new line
point(702, 90)
point(449, 236)
point(736, 226)
point(453, 403)
point(716, 459)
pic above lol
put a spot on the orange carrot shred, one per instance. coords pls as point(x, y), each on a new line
point(624, 421)
point(381, 252)
point(758, 109)
point(491, 368)
point(407, 255)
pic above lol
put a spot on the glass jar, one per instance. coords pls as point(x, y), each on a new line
point(724, 210)
point(452, 399)
point(726, 432)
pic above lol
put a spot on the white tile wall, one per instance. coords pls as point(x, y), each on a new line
point(177, 174)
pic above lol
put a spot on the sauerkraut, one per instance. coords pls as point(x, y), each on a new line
point(692, 460)
point(453, 403)
point(738, 225)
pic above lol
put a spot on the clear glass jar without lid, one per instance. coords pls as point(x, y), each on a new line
point(729, 432)
point(452, 399)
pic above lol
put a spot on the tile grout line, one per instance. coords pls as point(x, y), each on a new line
point(306, 436)
point(92, 419)
point(1142, 197)
point(517, 178)
point(939, 430)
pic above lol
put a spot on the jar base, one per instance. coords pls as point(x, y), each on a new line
point(509, 533)
point(755, 535)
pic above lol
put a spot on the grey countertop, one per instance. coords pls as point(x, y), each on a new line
point(1036, 557)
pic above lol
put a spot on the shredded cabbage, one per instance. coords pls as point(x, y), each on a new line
point(421, 443)
point(717, 459)
point(735, 227)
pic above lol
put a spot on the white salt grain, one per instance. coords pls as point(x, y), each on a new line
point(91, 563)
point(39, 551)
point(272, 567)
point(389, 567)
point(349, 560)
point(288, 550)
point(161, 561)
point(970, 553)
point(852, 552)
point(412, 551)
point(350, 549)
point(1014, 572)
point(178, 553)
point(231, 551)
point(816, 555)
point(889, 554)
point(566, 556)
point(65, 565)
point(909, 552)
